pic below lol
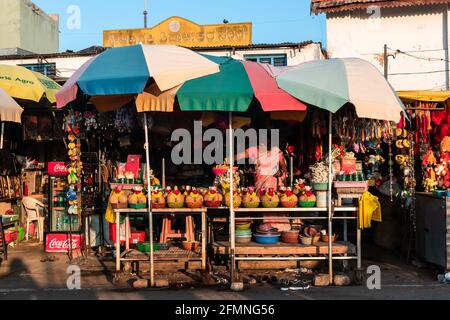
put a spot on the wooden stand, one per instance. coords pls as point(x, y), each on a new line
point(341, 196)
point(167, 232)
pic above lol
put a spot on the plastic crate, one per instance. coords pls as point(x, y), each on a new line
point(10, 236)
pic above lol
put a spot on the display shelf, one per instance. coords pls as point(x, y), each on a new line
point(174, 253)
point(280, 249)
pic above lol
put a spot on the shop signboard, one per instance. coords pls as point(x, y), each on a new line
point(57, 169)
point(182, 32)
point(60, 242)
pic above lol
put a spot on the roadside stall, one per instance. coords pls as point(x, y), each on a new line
point(35, 93)
point(427, 182)
point(290, 211)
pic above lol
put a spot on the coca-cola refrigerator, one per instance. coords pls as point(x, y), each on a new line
point(61, 227)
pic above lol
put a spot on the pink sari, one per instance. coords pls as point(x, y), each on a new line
point(267, 165)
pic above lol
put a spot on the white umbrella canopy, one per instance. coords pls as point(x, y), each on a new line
point(330, 84)
point(10, 111)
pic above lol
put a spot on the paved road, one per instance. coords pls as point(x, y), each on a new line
point(26, 276)
point(263, 292)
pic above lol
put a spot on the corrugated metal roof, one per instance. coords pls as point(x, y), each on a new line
point(319, 6)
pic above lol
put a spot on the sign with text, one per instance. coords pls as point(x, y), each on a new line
point(182, 32)
point(60, 242)
point(57, 169)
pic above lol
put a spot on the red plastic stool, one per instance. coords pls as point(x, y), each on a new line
point(167, 232)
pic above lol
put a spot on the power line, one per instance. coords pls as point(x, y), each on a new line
point(397, 51)
point(413, 73)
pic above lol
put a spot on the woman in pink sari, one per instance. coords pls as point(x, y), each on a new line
point(270, 166)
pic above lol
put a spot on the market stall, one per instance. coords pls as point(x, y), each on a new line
point(425, 182)
point(34, 93)
point(244, 89)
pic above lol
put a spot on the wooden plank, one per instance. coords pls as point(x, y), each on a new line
point(267, 265)
point(252, 248)
point(171, 265)
point(275, 210)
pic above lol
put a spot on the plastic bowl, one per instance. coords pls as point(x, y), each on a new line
point(322, 186)
point(270, 204)
point(251, 205)
point(243, 239)
point(241, 233)
point(307, 204)
point(145, 246)
point(243, 226)
point(267, 239)
point(306, 240)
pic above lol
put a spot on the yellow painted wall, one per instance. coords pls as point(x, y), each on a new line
point(27, 29)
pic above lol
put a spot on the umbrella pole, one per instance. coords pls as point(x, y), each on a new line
point(330, 208)
point(232, 215)
point(149, 204)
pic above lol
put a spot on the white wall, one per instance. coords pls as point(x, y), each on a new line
point(66, 66)
point(418, 30)
point(294, 56)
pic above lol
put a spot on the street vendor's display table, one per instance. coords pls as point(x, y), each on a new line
point(295, 252)
point(163, 255)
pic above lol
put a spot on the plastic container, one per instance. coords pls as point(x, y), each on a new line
point(243, 239)
point(243, 226)
point(307, 204)
point(321, 199)
point(240, 233)
point(267, 239)
point(137, 205)
point(320, 186)
point(145, 246)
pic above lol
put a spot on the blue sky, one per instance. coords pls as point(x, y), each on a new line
point(273, 20)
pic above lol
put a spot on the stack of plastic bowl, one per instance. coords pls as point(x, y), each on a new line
point(243, 231)
point(266, 234)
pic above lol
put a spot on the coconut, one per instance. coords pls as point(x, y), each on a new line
point(194, 199)
point(250, 199)
point(142, 199)
point(114, 199)
point(133, 199)
point(237, 199)
point(289, 200)
point(123, 199)
point(270, 199)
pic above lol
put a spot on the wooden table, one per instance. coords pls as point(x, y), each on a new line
point(127, 212)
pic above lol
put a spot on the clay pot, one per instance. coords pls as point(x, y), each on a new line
point(191, 246)
point(325, 238)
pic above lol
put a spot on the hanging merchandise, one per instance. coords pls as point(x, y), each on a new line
point(90, 121)
point(75, 167)
point(124, 119)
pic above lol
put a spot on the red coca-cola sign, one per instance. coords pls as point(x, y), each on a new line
point(60, 242)
point(57, 168)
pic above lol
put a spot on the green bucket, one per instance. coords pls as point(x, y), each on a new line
point(20, 233)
